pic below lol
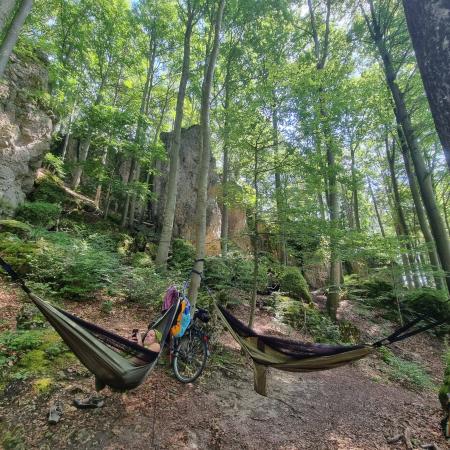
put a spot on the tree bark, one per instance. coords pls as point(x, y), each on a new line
point(421, 216)
point(11, 36)
point(278, 189)
point(355, 199)
point(400, 216)
point(7, 8)
point(202, 178)
point(377, 211)
point(226, 163)
point(429, 26)
point(174, 152)
point(404, 120)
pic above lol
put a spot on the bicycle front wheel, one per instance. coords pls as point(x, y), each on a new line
point(190, 357)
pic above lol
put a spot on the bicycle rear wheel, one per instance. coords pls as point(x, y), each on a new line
point(190, 357)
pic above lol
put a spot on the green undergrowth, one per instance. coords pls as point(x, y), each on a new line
point(293, 282)
point(410, 374)
point(308, 318)
point(377, 291)
point(36, 355)
point(444, 390)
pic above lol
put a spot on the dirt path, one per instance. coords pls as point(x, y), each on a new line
point(353, 407)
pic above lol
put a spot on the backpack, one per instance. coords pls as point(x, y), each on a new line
point(182, 320)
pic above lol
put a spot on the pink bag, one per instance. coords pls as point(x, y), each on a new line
point(170, 297)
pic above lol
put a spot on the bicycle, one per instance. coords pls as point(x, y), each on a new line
point(190, 352)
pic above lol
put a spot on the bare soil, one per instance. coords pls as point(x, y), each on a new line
point(353, 407)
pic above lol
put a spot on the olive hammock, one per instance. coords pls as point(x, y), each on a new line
point(115, 361)
point(295, 356)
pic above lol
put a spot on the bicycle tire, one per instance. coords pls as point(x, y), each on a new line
point(190, 357)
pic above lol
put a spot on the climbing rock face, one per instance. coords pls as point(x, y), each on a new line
point(25, 130)
point(184, 223)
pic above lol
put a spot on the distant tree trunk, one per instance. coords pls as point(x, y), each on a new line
point(226, 163)
point(421, 216)
point(254, 239)
point(355, 199)
point(98, 192)
point(11, 36)
point(69, 129)
point(375, 205)
point(401, 220)
point(174, 152)
point(429, 26)
point(278, 188)
point(7, 9)
point(77, 172)
point(404, 120)
point(202, 178)
point(134, 173)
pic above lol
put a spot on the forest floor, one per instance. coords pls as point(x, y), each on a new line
point(354, 407)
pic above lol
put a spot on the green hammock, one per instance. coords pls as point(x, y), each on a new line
point(294, 356)
point(115, 361)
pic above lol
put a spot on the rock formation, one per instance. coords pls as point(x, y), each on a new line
point(184, 225)
point(25, 130)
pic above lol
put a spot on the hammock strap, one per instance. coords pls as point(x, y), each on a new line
point(401, 333)
point(14, 275)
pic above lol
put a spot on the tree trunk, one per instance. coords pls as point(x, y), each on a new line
point(255, 240)
point(377, 211)
point(174, 153)
point(84, 150)
point(429, 26)
point(355, 199)
point(423, 176)
point(278, 189)
point(400, 216)
point(11, 36)
point(421, 216)
point(98, 192)
point(202, 178)
point(7, 9)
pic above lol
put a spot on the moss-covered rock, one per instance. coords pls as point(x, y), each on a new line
point(293, 282)
point(17, 227)
point(39, 213)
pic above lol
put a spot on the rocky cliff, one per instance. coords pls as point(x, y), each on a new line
point(25, 130)
point(184, 224)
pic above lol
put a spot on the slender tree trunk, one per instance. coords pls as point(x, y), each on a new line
point(11, 36)
point(375, 205)
point(278, 189)
point(69, 129)
point(429, 26)
point(84, 150)
point(7, 9)
point(355, 199)
point(226, 165)
point(400, 215)
point(421, 216)
point(255, 240)
point(202, 178)
point(404, 120)
point(98, 192)
point(174, 152)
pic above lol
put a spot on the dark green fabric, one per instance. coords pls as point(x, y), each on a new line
point(110, 367)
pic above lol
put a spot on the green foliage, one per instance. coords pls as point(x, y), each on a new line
point(444, 390)
point(143, 285)
point(17, 252)
point(39, 213)
point(13, 439)
point(408, 373)
point(74, 267)
point(55, 164)
point(429, 302)
point(234, 272)
point(107, 306)
point(306, 316)
point(183, 255)
point(293, 282)
point(142, 259)
point(21, 229)
point(49, 190)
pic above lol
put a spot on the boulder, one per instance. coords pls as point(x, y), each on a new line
point(25, 130)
